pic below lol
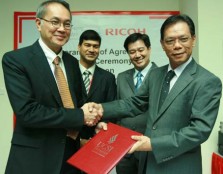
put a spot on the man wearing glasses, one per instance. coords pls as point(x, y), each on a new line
point(44, 87)
point(183, 100)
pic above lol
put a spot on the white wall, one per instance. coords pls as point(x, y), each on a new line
point(211, 57)
point(208, 51)
point(190, 7)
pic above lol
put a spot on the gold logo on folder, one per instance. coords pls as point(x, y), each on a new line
point(112, 139)
point(104, 148)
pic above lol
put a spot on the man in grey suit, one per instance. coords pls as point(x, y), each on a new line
point(175, 131)
point(138, 47)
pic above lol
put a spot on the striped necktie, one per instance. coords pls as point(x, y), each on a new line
point(87, 80)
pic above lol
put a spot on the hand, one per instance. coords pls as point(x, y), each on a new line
point(143, 144)
point(91, 114)
point(98, 107)
point(100, 126)
point(95, 108)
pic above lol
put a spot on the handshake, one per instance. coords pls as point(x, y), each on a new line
point(92, 113)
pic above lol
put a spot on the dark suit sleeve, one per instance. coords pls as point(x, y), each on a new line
point(112, 88)
point(31, 98)
point(118, 86)
point(111, 94)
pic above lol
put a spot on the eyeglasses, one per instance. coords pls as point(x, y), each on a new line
point(57, 24)
point(182, 40)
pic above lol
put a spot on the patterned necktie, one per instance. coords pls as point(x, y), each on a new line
point(166, 87)
point(87, 80)
point(64, 92)
point(139, 80)
point(62, 85)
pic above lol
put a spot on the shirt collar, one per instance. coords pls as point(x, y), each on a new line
point(50, 55)
point(180, 68)
point(144, 71)
point(91, 69)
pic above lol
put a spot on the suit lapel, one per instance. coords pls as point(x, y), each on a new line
point(183, 81)
point(96, 81)
point(147, 74)
point(42, 66)
point(130, 79)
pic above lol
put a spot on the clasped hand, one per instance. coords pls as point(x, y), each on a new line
point(92, 113)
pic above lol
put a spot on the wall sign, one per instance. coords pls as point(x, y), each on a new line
point(113, 26)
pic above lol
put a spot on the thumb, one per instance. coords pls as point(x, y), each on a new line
point(136, 137)
point(104, 126)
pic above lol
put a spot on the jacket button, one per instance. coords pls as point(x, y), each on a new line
point(154, 127)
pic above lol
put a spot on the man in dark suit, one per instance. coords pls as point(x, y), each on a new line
point(177, 128)
point(138, 47)
point(102, 86)
point(42, 138)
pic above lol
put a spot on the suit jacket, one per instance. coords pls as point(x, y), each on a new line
point(125, 89)
point(39, 136)
point(103, 89)
point(184, 121)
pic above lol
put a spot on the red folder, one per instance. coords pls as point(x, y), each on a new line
point(104, 150)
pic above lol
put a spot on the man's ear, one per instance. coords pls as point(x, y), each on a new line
point(38, 24)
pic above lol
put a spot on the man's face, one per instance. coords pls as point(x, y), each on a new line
point(139, 54)
point(54, 37)
point(178, 43)
point(89, 51)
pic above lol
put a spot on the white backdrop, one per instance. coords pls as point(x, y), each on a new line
point(113, 27)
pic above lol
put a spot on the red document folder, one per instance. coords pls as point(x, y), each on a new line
point(104, 150)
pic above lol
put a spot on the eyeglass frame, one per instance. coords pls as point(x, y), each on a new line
point(172, 41)
point(57, 24)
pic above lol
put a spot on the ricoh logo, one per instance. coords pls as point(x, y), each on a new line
point(123, 31)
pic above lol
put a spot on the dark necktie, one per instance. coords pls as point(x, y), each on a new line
point(166, 87)
point(139, 80)
point(87, 80)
